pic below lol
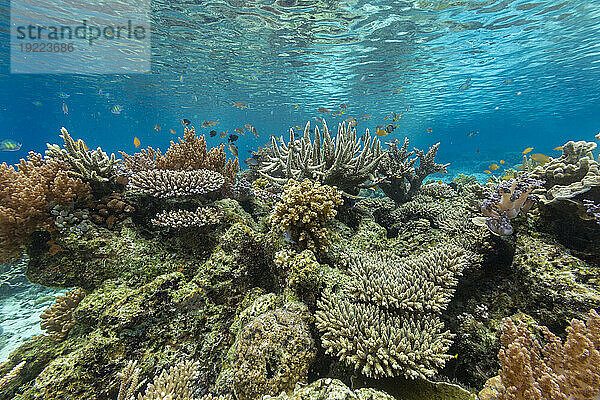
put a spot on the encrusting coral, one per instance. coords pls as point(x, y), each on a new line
point(303, 212)
point(202, 216)
point(173, 183)
point(346, 161)
point(553, 371)
point(88, 165)
point(57, 320)
point(510, 199)
point(399, 178)
point(26, 195)
point(385, 323)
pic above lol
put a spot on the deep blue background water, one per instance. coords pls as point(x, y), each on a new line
point(273, 55)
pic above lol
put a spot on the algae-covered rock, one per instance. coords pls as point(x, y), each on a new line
point(330, 389)
point(272, 353)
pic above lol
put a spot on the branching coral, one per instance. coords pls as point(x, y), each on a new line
point(26, 196)
point(399, 178)
point(385, 322)
point(303, 212)
point(57, 320)
point(174, 383)
point(130, 381)
point(171, 183)
point(88, 165)
point(553, 371)
point(185, 219)
point(511, 198)
point(189, 154)
point(346, 161)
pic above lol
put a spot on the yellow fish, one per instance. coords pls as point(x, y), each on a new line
point(136, 142)
point(239, 104)
point(397, 91)
point(381, 132)
point(157, 128)
point(540, 158)
point(559, 148)
point(527, 150)
point(248, 127)
point(233, 149)
point(172, 131)
point(502, 162)
point(487, 171)
point(494, 167)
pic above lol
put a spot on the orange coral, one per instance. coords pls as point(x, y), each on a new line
point(190, 153)
point(554, 371)
point(26, 194)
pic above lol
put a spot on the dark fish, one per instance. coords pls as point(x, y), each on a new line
point(10, 145)
point(213, 133)
point(185, 122)
point(232, 138)
point(323, 110)
point(390, 128)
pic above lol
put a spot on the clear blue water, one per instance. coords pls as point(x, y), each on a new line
point(534, 69)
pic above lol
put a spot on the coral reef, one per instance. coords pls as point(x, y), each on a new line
point(346, 162)
point(88, 165)
point(57, 320)
point(185, 219)
point(387, 323)
point(399, 178)
point(555, 370)
point(303, 212)
point(511, 198)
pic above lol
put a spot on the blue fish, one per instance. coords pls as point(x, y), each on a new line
point(10, 145)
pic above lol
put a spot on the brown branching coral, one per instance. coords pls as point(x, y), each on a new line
point(553, 371)
point(399, 178)
point(57, 320)
point(172, 183)
point(88, 165)
point(189, 154)
point(303, 212)
point(174, 383)
point(26, 195)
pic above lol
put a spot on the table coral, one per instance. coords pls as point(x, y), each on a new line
point(202, 216)
point(173, 183)
point(303, 212)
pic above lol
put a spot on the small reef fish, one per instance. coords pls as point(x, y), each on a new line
point(36, 103)
point(116, 109)
point(519, 93)
point(527, 150)
point(211, 123)
point(180, 78)
point(239, 105)
point(157, 128)
point(252, 162)
point(559, 148)
point(502, 162)
point(212, 133)
point(323, 110)
point(362, 78)
point(390, 128)
point(365, 116)
point(296, 107)
point(397, 91)
point(487, 171)
point(172, 131)
point(381, 132)
point(343, 106)
point(233, 149)
point(540, 158)
point(351, 121)
point(223, 134)
point(232, 138)
point(248, 127)
point(338, 112)
point(239, 131)
point(494, 167)
point(473, 133)
point(185, 122)
point(465, 85)
point(255, 132)
point(65, 108)
point(429, 130)
point(64, 95)
point(10, 145)
point(136, 142)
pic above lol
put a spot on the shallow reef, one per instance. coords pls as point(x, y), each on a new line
point(183, 277)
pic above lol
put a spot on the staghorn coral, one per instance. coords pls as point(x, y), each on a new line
point(438, 190)
point(171, 183)
point(574, 173)
point(174, 383)
point(419, 284)
point(185, 219)
point(510, 199)
point(385, 321)
point(553, 371)
point(189, 154)
point(303, 212)
point(399, 179)
point(26, 196)
point(343, 162)
point(57, 320)
point(88, 165)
